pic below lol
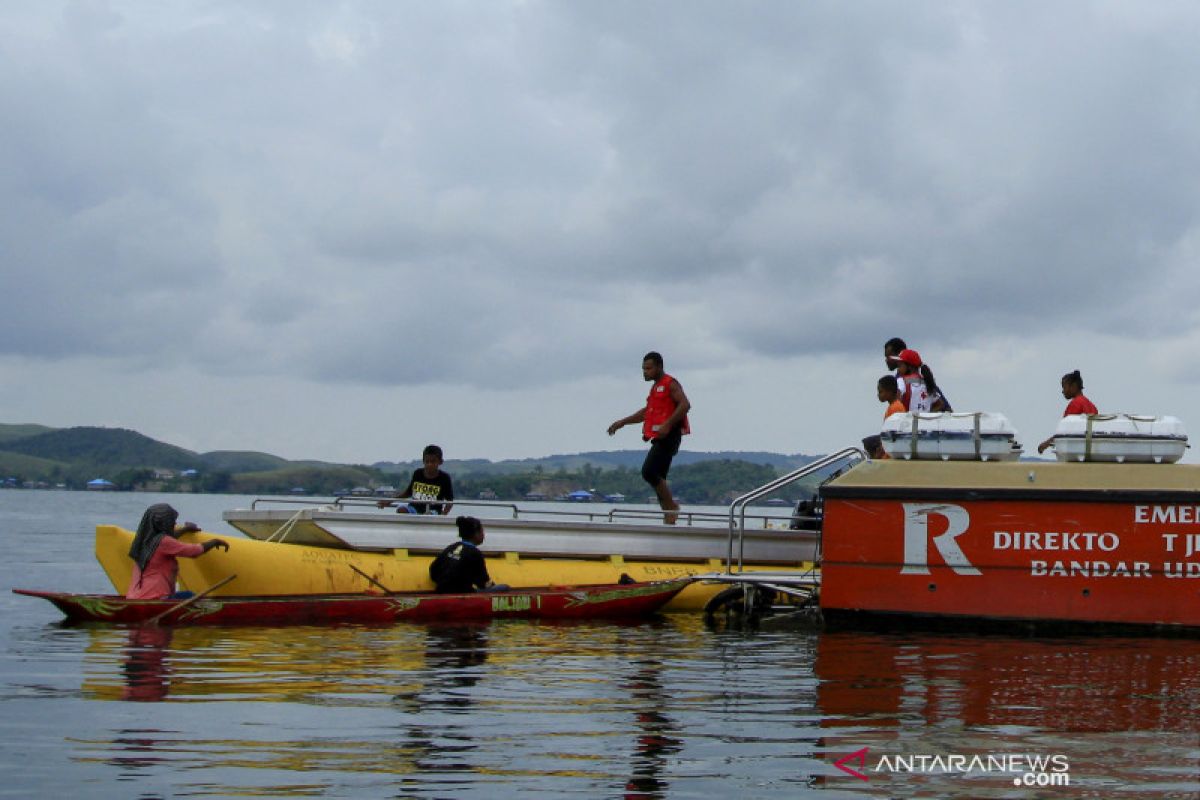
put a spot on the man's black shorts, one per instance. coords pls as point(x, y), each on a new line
point(658, 460)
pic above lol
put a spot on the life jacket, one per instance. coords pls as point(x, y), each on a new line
point(916, 397)
point(659, 408)
point(906, 389)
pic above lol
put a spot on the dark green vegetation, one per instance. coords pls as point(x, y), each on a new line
point(42, 457)
point(70, 457)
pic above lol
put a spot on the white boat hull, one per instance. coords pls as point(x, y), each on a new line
point(383, 531)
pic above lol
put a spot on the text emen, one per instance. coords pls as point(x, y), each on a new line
point(1171, 515)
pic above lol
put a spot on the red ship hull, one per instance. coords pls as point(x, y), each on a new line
point(1062, 543)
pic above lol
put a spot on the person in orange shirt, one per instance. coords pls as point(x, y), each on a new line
point(155, 550)
point(888, 391)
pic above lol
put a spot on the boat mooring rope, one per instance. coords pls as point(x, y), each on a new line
point(286, 528)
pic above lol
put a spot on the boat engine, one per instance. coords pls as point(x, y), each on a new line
point(809, 511)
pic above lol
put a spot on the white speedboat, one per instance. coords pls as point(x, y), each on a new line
point(632, 534)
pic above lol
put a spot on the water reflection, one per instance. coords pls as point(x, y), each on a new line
point(146, 669)
point(1067, 685)
point(264, 664)
point(655, 739)
point(653, 710)
point(435, 744)
point(454, 654)
point(1121, 711)
point(138, 752)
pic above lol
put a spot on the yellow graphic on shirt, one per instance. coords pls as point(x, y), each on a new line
point(425, 491)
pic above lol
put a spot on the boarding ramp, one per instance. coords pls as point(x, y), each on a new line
point(800, 586)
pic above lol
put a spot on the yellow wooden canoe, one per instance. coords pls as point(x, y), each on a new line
point(273, 568)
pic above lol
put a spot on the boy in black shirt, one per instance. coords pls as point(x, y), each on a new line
point(427, 483)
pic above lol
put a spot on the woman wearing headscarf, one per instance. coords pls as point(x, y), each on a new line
point(155, 550)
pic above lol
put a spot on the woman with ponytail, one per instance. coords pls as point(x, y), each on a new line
point(1077, 403)
point(893, 349)
point(919, 391)
point(461, 568)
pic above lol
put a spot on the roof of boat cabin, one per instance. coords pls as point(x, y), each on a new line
point(1027, 476)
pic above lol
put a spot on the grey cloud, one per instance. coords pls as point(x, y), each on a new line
point(500, 195)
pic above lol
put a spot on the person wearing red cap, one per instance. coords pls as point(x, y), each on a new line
point(920, 389)
point(915, 378)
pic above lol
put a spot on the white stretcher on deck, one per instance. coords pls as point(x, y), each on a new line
point(970, 436)
point(1120, 438)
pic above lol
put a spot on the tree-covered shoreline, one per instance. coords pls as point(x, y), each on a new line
point(34, 456)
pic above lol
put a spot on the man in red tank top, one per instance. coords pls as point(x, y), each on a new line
point(664, 422)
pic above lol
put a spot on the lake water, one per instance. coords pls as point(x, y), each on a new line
point(666, 708)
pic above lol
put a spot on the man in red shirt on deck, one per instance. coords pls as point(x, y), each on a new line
point(664, 423)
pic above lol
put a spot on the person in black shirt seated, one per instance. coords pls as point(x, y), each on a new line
point(461, 568)
point(427, 483)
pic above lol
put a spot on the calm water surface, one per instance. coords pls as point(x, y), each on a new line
point(668, 708)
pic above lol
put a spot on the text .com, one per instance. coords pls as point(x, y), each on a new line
point(1022, 769)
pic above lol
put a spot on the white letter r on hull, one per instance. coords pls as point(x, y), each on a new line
point(916, 538)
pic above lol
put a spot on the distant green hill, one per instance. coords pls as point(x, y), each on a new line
point(110, 447)
point(242, 461)
point(10, 432)
point(72, 456)
point(21, 464)
point(325, 480)
point(601, 459)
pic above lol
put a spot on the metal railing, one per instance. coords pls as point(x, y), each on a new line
point(364, 501)
point(737, 509)
point(614, 515)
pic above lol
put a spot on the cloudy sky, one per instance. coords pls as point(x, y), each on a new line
point(345, 230)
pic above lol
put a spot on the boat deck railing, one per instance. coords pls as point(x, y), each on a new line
point(614, 515)
point(802, 586)
point(734, 563)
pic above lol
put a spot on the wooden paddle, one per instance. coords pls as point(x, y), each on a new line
point(372, 580)
point(154, 620)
